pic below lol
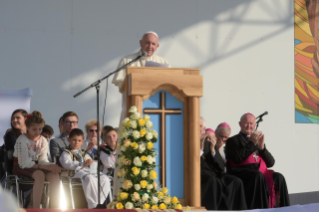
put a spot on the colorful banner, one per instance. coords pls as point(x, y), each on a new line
point(306, 61)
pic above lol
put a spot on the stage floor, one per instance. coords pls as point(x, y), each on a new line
point(294, 208)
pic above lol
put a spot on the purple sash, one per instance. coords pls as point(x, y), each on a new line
point(263, 169)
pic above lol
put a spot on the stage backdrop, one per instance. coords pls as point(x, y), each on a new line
point(244, 49)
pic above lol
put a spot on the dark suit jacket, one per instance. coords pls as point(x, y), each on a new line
point(57, 145)
point(213, 164)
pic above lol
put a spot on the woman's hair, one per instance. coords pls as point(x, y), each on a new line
point(106, 129)
point(48, 130)
point(34, 118)
point(91, 123)
point(24, 114)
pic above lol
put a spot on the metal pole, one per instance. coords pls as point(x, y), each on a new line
point(98, 140)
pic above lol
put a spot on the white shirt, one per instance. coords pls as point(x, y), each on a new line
point(28, 151)
point(120, 76)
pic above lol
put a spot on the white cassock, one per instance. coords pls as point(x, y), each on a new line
point(89, 181)
point(118, 80)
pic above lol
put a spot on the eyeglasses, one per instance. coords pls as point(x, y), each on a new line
point(91, 130)
point(71, 122)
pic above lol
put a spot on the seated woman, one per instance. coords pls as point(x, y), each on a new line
point(18, 127)
point(31, 160)
point(108, 151)
point(78, 162)
point(90, 143)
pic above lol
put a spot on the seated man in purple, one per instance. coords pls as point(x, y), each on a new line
point(248, 159)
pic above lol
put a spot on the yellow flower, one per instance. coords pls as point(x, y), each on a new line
point(164, 190)
point(154, 207)
point(178, 206)
point(124, 195)
point(128, 123)
point(134, 145)
point(136, 170)
point(174, 200)
point(149, 145)
point(153, 175)
point(142, 132)
point(143, 158)
point(186, 209)
point(135, 196)
point(146, 206)
point(119, 206)
point(162, 206)
point(146, 117)
point(143, 183)
point(127, 143)
point(118, 198)
point(160, 195)
point(141, 122)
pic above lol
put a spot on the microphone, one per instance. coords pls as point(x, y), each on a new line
point(260, 116)
point(144, 54)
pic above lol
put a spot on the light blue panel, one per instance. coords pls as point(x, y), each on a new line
point(300, 118)
point(154, 102)
point(174, 148)
point(174, 142)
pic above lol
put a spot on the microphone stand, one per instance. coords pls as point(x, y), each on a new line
point(260, 119)
point(96, 84)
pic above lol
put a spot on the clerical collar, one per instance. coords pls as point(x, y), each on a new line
point(244, 136)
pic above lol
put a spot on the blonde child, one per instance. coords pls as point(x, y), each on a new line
point(108, 150)
point(78, 162)
point(31, 160)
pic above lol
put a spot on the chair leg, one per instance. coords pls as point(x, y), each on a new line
point(48, 196)
point(18, 192)
point(71, 193)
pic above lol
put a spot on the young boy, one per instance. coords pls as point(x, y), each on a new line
point(48, 132)
point(75, 159)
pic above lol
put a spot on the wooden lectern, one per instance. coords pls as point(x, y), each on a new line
point(186, 85)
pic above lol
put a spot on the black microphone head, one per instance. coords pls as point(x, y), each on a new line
point(266, 112)
point(144, 54)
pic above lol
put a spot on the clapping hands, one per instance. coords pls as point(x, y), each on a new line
point(258, 138)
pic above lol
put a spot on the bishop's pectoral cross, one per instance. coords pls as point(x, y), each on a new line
point(255, 156)
point(162, 111)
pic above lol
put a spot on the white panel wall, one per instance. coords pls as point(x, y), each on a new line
point(244, 49)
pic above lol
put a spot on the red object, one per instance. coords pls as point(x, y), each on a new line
point(96, 210)
point(28, 116)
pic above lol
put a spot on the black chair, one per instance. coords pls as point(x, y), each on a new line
point(21, 184)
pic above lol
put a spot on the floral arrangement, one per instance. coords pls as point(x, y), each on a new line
point(137, 167)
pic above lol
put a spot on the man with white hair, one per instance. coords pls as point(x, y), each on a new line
point(149, 44)
point(249, 160)
point(219, 191)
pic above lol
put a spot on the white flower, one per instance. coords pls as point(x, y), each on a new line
point(137, 161)
point(124, 134)
point(133, 124)
point(144, 173)
point(125, 120)
point(145, 197)
point(141, 148)
point(154, 133)
point(136, 116)
point(147, 117)
point(137, 187)
point(149, 187)
point(129, 205)
point(167, 200)
point(154, 200)
point(133, 109)
point(149, 136)
point(148, 124)
point(123, 148)
point(150, 159)
point(136, 134)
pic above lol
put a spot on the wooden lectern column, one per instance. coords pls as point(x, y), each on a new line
point(194, 152)
point(138, 102)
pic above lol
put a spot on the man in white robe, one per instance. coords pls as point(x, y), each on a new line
point(149, 44)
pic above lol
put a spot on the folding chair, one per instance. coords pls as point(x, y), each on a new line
point(16, 181)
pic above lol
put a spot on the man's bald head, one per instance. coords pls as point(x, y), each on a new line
point(247, 123)
point(149, 43)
